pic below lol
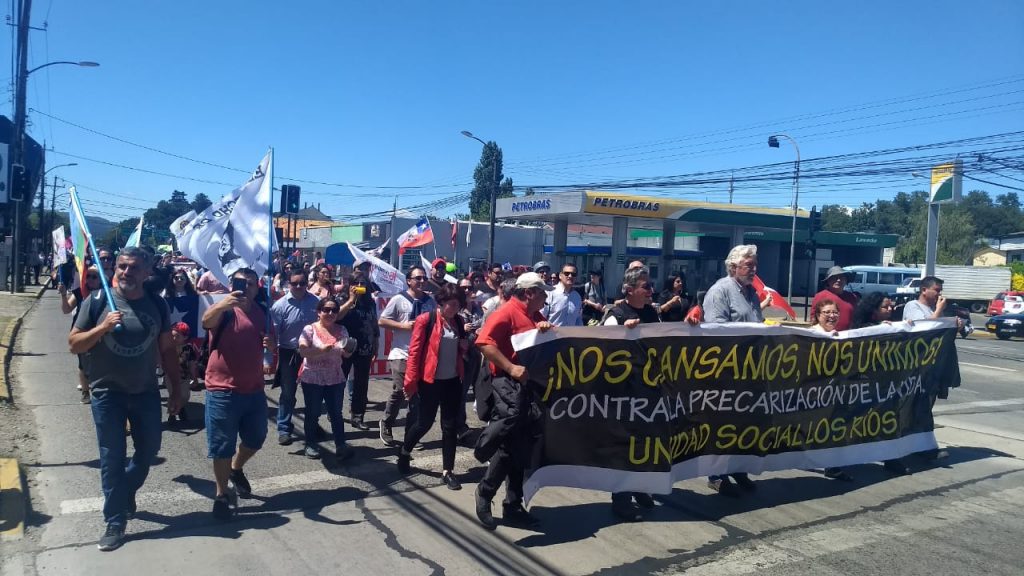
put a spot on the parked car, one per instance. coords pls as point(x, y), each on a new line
point(1013, 305)
point(1006, 326)
point(995, 307)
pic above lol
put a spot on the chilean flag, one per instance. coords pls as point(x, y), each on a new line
point(777, 300)
point(418, 235)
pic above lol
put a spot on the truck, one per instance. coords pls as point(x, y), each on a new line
point(966, 286)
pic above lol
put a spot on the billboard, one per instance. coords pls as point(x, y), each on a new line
point(947, 180)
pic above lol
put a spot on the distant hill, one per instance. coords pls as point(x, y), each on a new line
point(99, 226)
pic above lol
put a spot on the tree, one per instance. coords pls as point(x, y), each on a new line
point(487, 177)
point(201, 202)
point(834, 218)
point(167, 211)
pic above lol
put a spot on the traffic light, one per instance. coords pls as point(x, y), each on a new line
point(290, 198)
point(815, 221)
point(19, 182)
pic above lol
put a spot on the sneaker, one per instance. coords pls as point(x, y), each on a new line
point(451, 481)
point(643, 500)
point(312, 452)
point(345, 452)
point(385, 434)
point(516, 515)
point(744, 482)
point(626, 510)
point(222, 507)
point(403, 462)
point(182, 414)
point(896, 467)
point(724, 487)
point(112, 538)
point(483, 511)
point(358, 424)
point(838, 474)
point(240, 483)
point(285, 439)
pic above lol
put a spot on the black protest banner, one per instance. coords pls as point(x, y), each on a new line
point(639, 409)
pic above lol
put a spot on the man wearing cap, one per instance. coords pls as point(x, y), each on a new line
point(437, 271)
point(509, 437)
point(543, 269)
point(835, 284)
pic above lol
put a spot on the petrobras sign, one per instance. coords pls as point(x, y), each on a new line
point(946, 183)
point(626, 204)
point(531, 206)
point(539, 205)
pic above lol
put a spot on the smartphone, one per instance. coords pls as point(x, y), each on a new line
point(238, 285)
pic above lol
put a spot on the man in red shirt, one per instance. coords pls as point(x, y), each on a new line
point(236, 406)
point(510, 400)
point(835, 289)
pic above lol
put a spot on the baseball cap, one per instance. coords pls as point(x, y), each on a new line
point(437, 261)
point(541, 264)
point(532, 280)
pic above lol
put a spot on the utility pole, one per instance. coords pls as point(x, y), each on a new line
point(730, 188)
point(17, 152)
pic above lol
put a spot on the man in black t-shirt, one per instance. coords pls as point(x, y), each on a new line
point(633, 310)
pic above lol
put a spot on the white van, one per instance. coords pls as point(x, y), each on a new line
point(886, 279)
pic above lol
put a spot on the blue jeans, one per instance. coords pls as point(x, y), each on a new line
point(316, 396)
point(287, 377)
point(120, 476)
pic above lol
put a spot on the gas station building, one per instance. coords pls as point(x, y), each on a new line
point(605, 231)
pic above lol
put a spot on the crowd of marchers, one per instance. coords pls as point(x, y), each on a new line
point(316, 332)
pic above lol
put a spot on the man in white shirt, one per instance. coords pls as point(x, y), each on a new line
point(930, 302)
point(564, 305)
point(398, 316)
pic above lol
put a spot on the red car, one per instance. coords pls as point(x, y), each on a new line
point(995, 307)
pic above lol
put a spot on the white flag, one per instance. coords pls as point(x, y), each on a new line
point(391, 282)
point(376, 252)
point(60, 246)
point(235, 232)
point(469, 232)
point(136, 237)
point(179, 227)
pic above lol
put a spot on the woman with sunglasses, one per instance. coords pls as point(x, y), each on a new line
point(433, 378)
point(182, 298)
point(323, 287)
point(874, 309)
point(324, 345)
point(70, 302)
point(358, 315)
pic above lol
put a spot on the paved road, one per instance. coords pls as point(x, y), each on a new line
point(962, 517)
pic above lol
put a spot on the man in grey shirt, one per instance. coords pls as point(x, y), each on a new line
point(930, 302)
point(290, 315)
point(734, 299)
point(565, 306)
point(120, 366)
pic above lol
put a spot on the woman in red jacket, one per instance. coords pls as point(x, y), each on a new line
point(433, 378)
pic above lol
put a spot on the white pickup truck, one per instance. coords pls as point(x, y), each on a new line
point(967, 286)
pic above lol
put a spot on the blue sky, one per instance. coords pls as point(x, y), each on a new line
point(374, 94)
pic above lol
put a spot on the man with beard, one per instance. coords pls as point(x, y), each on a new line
point(121, 369)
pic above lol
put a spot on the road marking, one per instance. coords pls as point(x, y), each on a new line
point(945, 408)
point(884, 526)
point(987, 367)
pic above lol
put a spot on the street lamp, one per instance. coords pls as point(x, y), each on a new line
point(773, 142)
point(494, 197)
point(17, 150)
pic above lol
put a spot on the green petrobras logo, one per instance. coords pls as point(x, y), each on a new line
point(946, 181)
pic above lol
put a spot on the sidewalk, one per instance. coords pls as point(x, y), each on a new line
point(13, 308)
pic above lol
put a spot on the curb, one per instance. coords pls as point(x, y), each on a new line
point(12, 501)
point(7, 342)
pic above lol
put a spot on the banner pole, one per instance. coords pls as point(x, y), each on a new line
point(270, 238)
point(92, 250)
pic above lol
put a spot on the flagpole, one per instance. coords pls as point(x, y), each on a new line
point(92, 249)
point(455, 245)
point(433, 241)
point(270, 235)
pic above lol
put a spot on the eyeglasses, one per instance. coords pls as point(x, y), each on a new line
point(828, 313)
point(569, 274)
point(464, 287)
point(420, 278)
point(106, 258)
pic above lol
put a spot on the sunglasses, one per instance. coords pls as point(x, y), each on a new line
point(106, 258)
point(92, 277)
point(569, 274)
point(329, 310)
point(182, 278)
point(417, 277)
